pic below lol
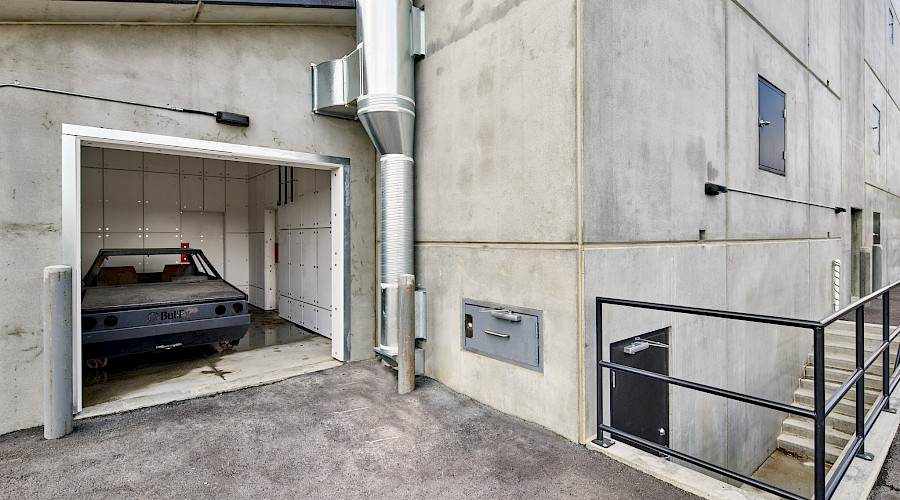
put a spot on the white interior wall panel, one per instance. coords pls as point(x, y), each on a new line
point(213, 194)
point(323, 268)
point(292, 288)
point(91, 199)
point(308, 289)
point(323, 322)
point(162, 210)
point(236, 206)
point(125, 240)
point(309, 317)
point(123, 200)
point(191, 190)
point(123, 160)
point(190, 165)
point(322, 209)
point(155, 162)
point(91, 244)
point(271, 278)
point(156, 263)
point(206, 231)
point(213, 168)
point(307, 189)
point(236, 169)
point(237, 259)
point(305, 257)
point(270, 189)
point(91, 157)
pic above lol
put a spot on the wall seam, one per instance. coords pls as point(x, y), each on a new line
point(579, 155)
point(784, 47)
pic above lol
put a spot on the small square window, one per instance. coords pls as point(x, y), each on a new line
point(876, 129)
point(771, 127)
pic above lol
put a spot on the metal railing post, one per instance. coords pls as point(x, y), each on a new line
point(57, 305)
point(861, 383)
point(606, 443)
point(819, 396)
point(886, 357)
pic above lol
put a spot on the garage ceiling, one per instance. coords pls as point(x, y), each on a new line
point(304, 12)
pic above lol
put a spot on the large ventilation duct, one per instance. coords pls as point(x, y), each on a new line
point(375, 83)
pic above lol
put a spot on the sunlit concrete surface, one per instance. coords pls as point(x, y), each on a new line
point(339, 433)
point(272, 350)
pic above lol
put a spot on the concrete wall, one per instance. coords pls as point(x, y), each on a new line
point(259, 71)
point(670, 107)
point(497, 193)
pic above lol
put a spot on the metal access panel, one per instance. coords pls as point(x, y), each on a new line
point(640, 405)
point(507, 333)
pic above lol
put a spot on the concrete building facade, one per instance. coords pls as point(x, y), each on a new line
point(562, 148)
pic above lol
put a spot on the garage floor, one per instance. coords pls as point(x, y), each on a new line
point(272, 350)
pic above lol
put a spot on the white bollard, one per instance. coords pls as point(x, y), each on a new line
point(57, 304)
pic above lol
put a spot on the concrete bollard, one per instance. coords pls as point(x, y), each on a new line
point(865, 272)
point(57, 307)
point(877, 263)
point(406, 321)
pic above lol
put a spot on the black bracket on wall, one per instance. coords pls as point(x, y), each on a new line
point(714, 189)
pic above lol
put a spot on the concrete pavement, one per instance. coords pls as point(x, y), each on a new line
point(339, 433)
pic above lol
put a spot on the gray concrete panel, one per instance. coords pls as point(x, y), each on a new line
point(824, 161)
point(495, 128)
point(690, 275)
point(534, 278)
point(654, 120)
point(787, 21)
point(763, 360)
point(825, 41)
point(875, 33)
point(751, 53)
point(209, 68)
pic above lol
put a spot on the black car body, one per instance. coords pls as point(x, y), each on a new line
point(125, 312)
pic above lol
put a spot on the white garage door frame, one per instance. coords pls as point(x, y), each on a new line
point(76, 136)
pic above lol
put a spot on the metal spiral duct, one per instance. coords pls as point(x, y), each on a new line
point(375, 83)
point(386, 108)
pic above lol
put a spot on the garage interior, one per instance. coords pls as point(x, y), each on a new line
point(265, 228)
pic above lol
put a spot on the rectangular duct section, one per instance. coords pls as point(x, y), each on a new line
point(336, 85)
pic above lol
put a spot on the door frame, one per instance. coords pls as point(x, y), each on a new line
point(76, 136)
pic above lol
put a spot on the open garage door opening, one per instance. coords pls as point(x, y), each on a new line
point(203, 271)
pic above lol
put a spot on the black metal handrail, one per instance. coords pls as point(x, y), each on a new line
point(822, 408)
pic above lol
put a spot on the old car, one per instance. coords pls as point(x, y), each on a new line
point(186, 304)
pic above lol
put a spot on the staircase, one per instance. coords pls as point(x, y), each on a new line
point(797, 434)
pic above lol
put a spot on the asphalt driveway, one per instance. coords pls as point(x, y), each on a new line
point(340, 433)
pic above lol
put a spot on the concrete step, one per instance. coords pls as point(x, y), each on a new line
point(873, 329)
point(848, 338)
point(849, 351)
point(832, 387)
point(806, 428)
point(873, 380)
point(806, 447)
point(847, 362)
point(805, 397)
point(837, 421)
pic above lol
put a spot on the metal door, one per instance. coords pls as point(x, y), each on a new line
point(640, 405)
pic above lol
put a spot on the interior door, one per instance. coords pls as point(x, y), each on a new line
point(640, 405)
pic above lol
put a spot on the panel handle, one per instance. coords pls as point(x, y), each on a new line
point(495, 334)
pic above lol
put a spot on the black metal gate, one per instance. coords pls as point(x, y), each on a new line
point(640, 405)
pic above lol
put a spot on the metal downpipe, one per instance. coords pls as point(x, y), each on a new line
point(386, 109)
